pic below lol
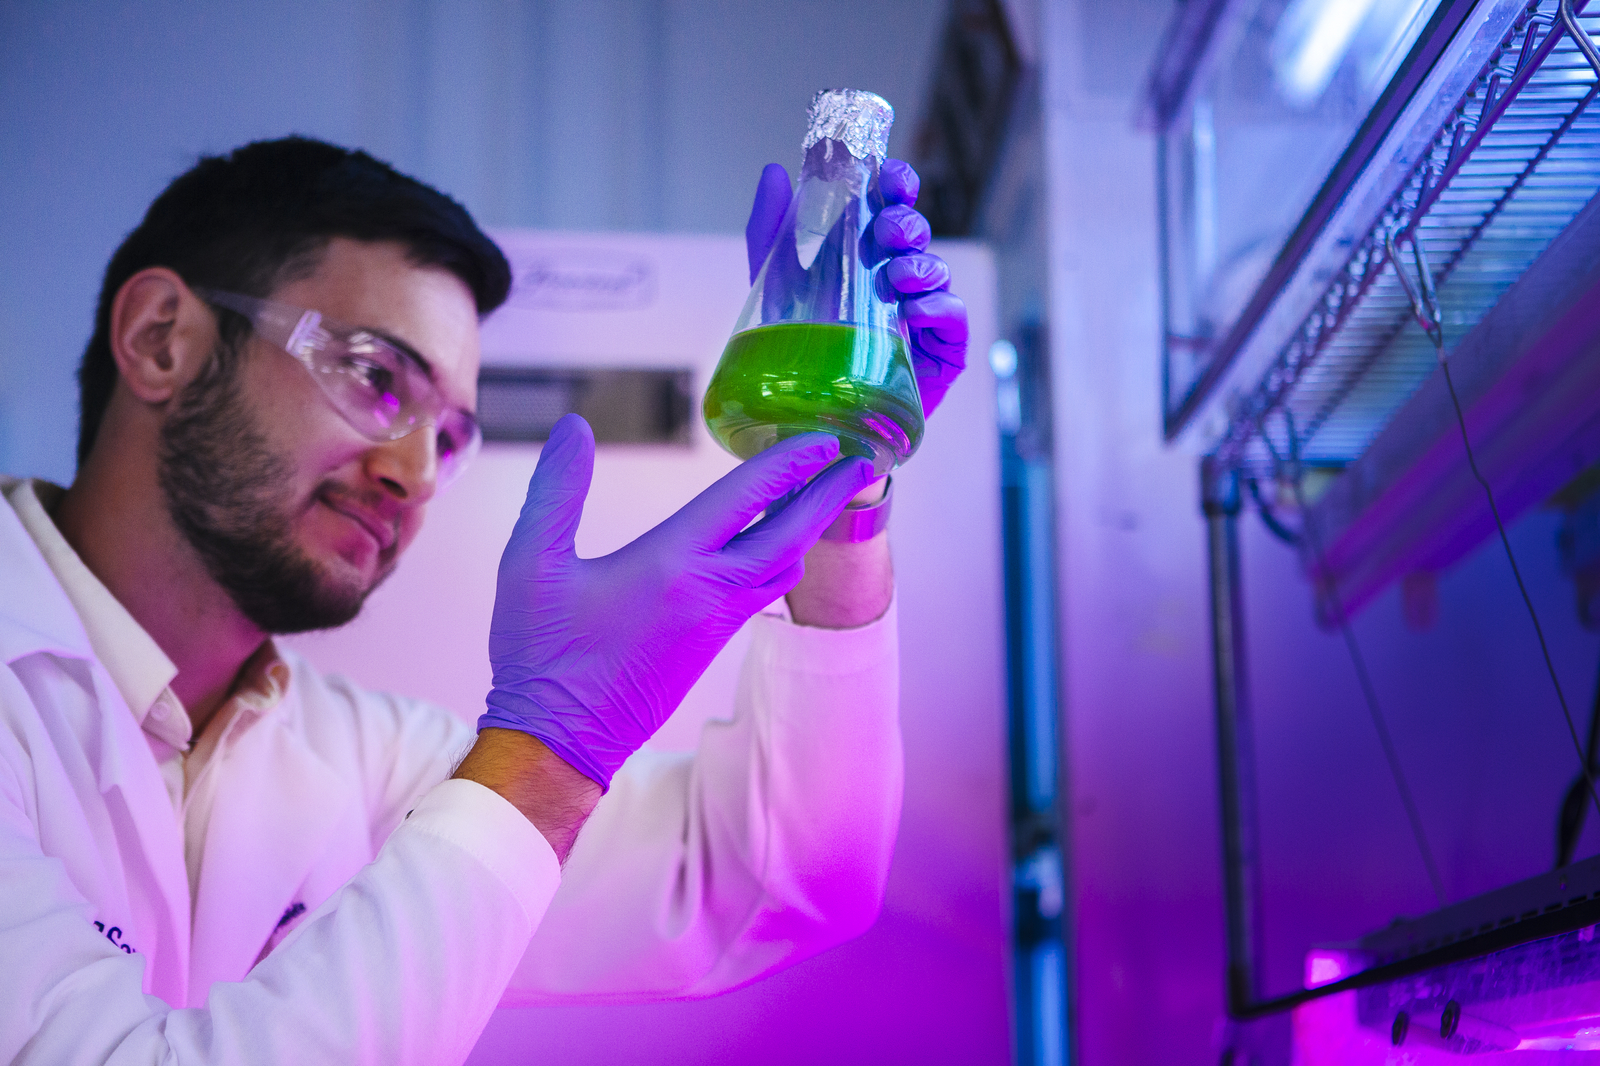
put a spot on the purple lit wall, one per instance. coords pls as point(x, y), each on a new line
point(1467, 700)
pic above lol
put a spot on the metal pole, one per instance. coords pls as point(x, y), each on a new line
point(1236, 765)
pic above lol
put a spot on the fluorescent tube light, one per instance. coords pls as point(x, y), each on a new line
point(1311, 41)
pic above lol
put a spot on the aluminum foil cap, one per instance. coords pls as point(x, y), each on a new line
point(855, 118)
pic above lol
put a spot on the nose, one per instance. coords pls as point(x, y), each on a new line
point(407, 468)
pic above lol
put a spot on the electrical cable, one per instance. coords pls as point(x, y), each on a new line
point(1368, 690)
point(1425, 308)
point(1516, 572)
point(1269, 517)
point(1569, 824)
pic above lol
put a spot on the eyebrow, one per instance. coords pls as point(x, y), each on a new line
point(416, 357)
point(406, 350)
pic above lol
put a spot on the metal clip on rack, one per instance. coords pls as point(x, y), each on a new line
point(1424, 298)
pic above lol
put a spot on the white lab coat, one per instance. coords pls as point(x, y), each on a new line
point(329, 926)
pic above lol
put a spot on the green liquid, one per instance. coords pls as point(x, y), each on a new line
point(776, 381)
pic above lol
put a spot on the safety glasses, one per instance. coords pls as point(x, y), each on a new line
point(382, 391)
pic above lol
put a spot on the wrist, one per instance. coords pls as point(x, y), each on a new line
point(552, 795)
point(846, 585)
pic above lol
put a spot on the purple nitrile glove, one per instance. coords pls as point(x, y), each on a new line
point(935, 319)
point(592, 655)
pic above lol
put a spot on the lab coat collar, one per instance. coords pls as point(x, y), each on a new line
point(41, 617)
point(141, 670)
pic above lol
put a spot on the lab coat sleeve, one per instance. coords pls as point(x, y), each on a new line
point(699, 873)
point(403, 965)
point(400, 747)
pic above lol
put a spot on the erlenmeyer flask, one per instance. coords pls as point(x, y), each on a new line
point(820, 344)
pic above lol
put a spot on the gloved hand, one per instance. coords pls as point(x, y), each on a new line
point(592, 655)
point(936, 320)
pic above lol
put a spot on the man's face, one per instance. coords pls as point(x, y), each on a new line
point(296, 514)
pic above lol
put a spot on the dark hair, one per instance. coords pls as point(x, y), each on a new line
point(247, 221)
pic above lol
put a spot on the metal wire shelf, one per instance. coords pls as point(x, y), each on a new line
point(1482, 162)
point(1516, 160)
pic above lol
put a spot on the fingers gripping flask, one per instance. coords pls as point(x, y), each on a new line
point(820, 344)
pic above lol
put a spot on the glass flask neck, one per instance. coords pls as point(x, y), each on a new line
point(830, 160)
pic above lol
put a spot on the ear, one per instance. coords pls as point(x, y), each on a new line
point(162, 334)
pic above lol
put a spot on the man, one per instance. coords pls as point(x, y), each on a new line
point(209, 852)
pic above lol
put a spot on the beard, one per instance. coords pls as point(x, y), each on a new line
point(230, 495)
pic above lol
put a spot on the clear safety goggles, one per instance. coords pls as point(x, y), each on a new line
point(383, 391)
